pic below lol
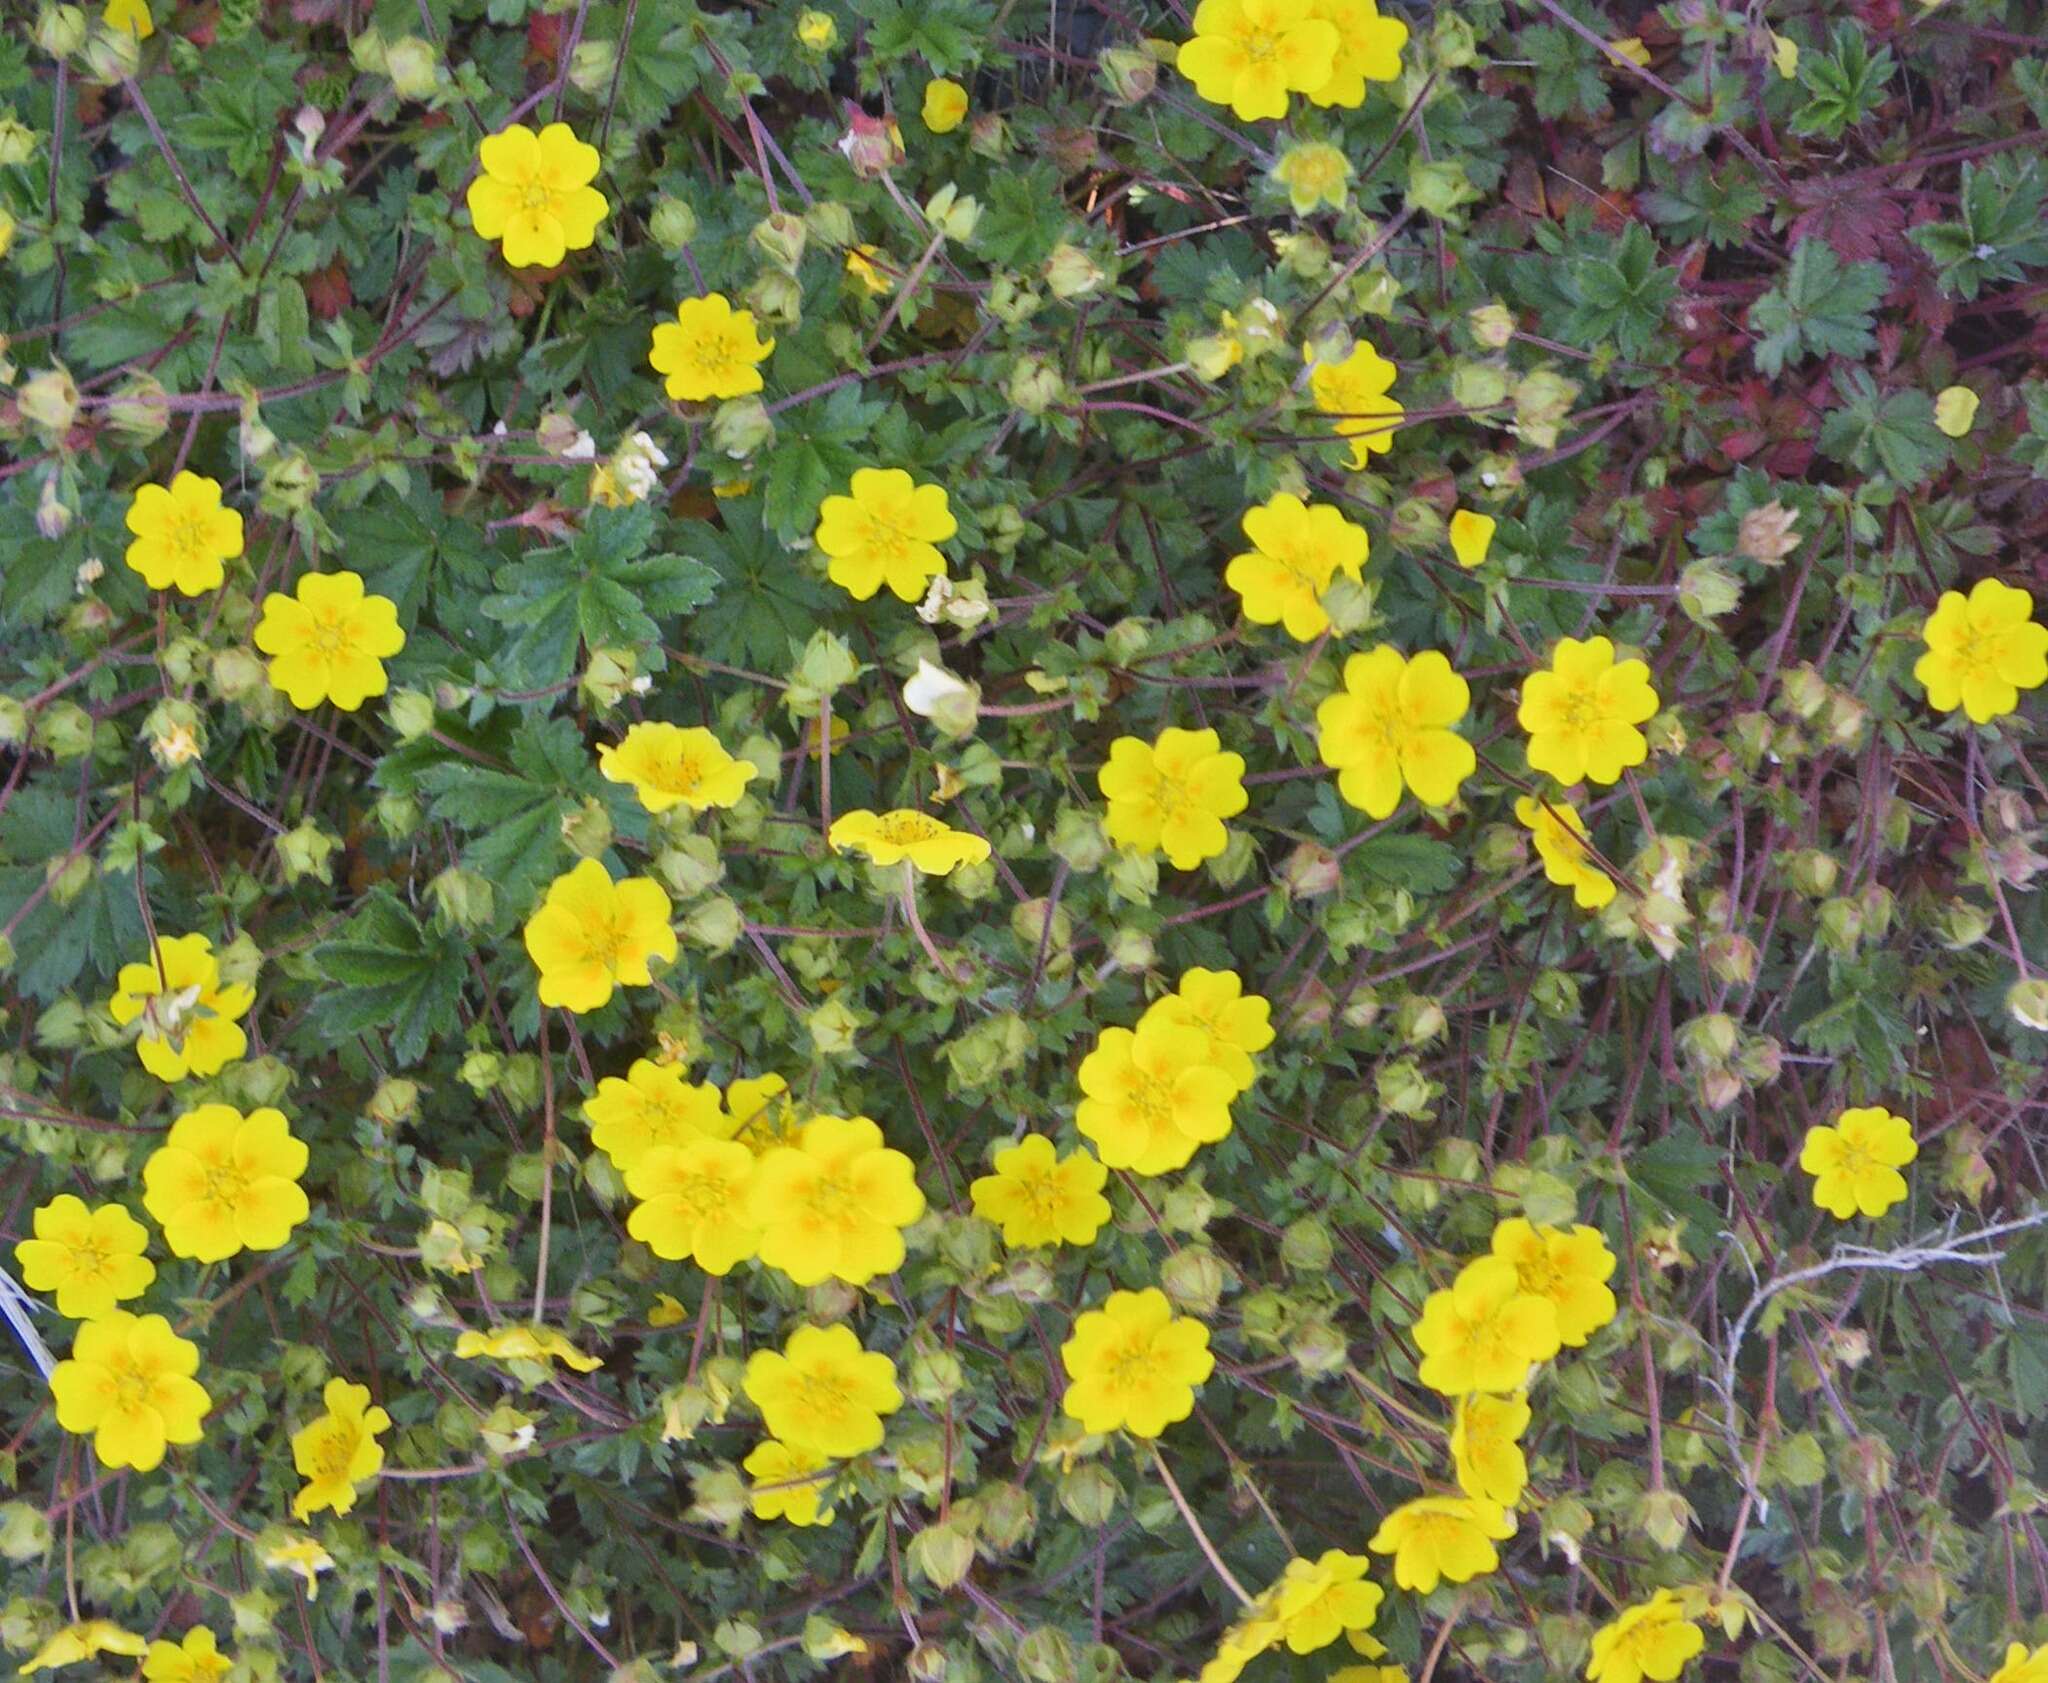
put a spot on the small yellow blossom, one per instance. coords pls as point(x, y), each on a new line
point(189, 1020)
point(1486, 1448)
point(928, 844)
point(1251, 54)
point(128, 1385)
point(1297, 551)
point(709, 351)
point(1583, 710)
point(822, 1393)
point(834, 1205)
point(131, 15)
point(1442, 1539)
point(693, 1203)
point(1561, 843)
point(85, 1640)
point(1652, 1640)
point(885, 531)
point(861, 264)
point(1955, 410)
point(1316, 1601)
point(1236, 1024)
point(1314, 173)
point(945, 105)
point(304, 1558)
point(1390, 729)
point(1134, 1365)
point(817, 32)
point(1629, 49)
point(91, 1258)
point(1855, 1164)
point(195, 1659)
point(1471, 536)
point(183, 536)
point(1567, 1267)
point(1368, 50)
point(543, 1346)
point(2021, 1666)
point(1151, 1098)
point(1171, 795)
point(789, 1483)
point(1982, 650)
point(652, 1106)
point(222, 1183)
point(592, 935)
point(1038, 1197)
point(675, 765)
point(338, 1451)
point(1784, 56)
point(328, 640)
point(532, 193)
point(1355, 392)
point(1484, 1332)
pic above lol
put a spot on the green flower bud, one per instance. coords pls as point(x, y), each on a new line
point(2028, 1002)
point(61, 30)
point(112, 55)
point(290, 483)
point(1046, 1655)
point(741, 427)
point(588, 829)
point(396, 1101)
point(411, 64)
point(1318, 1348)
point(25, 1533)
point(1707, 590)
point(780, 238)
point(1306, 1247)
point(590, 65)
point(49, 401)
point(1419, 1019)
point(1196, 1278)
point(1811, 872)
point(715, 924)
point(139, 410)
point(1071, 273)
point(1440, 189)
point(64, 730)
point(307, 851)
point(463, 898)
point(480, 1071)
point(1129, 73)
point(1089, 1494)
point(13, 722)
point(396, 815)
point(1036, 385)
point(673, 223)
point(1709, 1038)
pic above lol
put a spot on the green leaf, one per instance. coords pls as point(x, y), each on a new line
point(1821, 307)
point(394, 976)
point(2003, 231)
point(1620, 298)
point(1420, 864)
point(1673, 1169)
point(1846, 83)
point(515, 816)
point(1890, 434)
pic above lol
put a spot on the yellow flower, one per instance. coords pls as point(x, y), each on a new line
point(945, 103)
point(1569, 1269)
point(532, 192)
point(1955, 410)
point(1355, 391)
point(1484, 1332)
point(789, 1483)
point(1390, 728)
point(694, 1203)
point(860, 263)
point(1652, 1639)
point(2021, 1666)
point(303, 1557)
point(1855, 1164)
point(328, 641)
point(823, 1393)
point(339, 1450)
point(1041, 1198)
point(1133, 1364)
point(188, 1019)
point(762, 1115)
point(591, 935)
point(1368, 50)
point(1316, 1601)
point(1629, 49)
point(197, 1659)
point(1560, 836)
point(183, 537)
point(1486, 1448)
point(886, 530)
point(710, 350)
point(675, 765)
point(543, 1346)
point(1297, 550)
point(1784, 56)
point(817, 31)
point(129, 1384)
point(889, 838)
point(1251, 54)
point(652, 1107)
point(1471, 536)
point(1314, 173)
point(222, 1183)
point(1369, 1674)
point(131, 15)
point(1982, 650)
point(1436, 1539)
point(1151, 1096)
point(834, 1206)
point(1236, 1023)
point(1581, 712)
point(85, 1640)
point(91, 1259)
point(1171, 795)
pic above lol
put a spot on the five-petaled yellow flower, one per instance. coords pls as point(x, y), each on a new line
point(652, 1106)
point(339, 1450)
point(91, 1259)
point(945, 104)
point(2021, 1666)
point(131, 15)
point(85, 1640)
point(789, 1483)
point(1438, 1539)
point(1316, 1601)
point(195, 1659)
point(1652, 1640)
point(1581, 712)
point(1134, 1365)
point(823, 1393)
point(592, 935)
point(129, 1385)
point(532, 193)
point(1297, 550)
point(1486, 1448)
point(1389, 728)
point(1471, 535)
point(183, 537)
point(541, 1346)
point(1568, 1267)
point(1151, 1096)
point(1561, 841)
point(1171, 795)
point(1855, 1164)
point(885, 530)
point(694, 1203)
point(328, 640)
point(1354, 391)
point(1237, 1024)
point(928, 844)
point(834, 1205)
point(710, 350)
point(1368, 50)
point(1038, 1197)
point(675, 765)
point(1251, 54)
point(222, 1183)
point(188, 1018)
point(1484, 1332)
point(1982, 650)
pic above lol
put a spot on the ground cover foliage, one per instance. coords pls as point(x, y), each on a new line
point(1048, 841)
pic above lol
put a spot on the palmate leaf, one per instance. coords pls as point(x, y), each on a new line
point(515, 816)
point(1822, 307)
point(600, 589)
point(395, 977)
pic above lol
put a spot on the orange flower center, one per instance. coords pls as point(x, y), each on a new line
point(903, 829)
